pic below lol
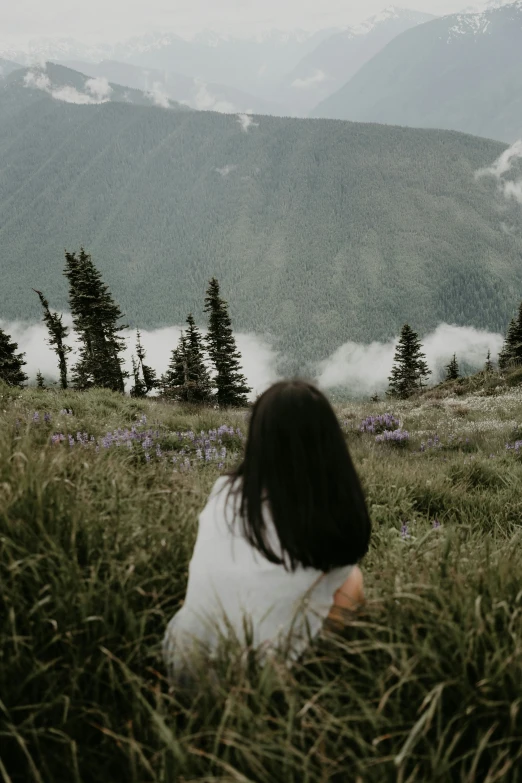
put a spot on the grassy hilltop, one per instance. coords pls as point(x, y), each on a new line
point(95, 539)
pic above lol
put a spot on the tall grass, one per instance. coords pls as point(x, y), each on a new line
point(424, 685)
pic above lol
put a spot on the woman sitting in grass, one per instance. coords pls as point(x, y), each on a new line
point(279, 538)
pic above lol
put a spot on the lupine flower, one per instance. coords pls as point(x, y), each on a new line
point(36, 417)
point(405, 533)
point(395, 436)
point(436, 523)
point(71, 440)
point(378, 424)
point(47, 418)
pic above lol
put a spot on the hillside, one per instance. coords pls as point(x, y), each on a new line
point(320, 232)
point(27, 85)
point(7, 67)
point(193, 92)
point(461, 72)
point(337, 58)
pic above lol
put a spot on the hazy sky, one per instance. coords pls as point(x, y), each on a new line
point(112, 20)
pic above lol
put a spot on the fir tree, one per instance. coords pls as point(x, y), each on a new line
point(231, 386)
point(452, 370)
point(95, 317)
point(512, 350)
point(11, 363)
point(410, 368)
point(144, 376)
point(138, 390)
point(174, 383)
point(57, 334)
point(149, 375)
point(40, 383)
point(488, 367)
point(199, 385)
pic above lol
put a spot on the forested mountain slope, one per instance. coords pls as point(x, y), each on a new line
point(7, 67)
point(318, 231)
point(461, 72)
point(27, 85)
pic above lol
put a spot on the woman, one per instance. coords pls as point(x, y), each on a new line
point(279, 538)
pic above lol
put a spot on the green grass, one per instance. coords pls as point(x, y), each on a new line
point(425, 685)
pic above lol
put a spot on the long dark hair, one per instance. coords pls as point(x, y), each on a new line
point(297, 458)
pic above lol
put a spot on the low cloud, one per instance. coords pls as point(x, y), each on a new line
point(226, 170)
point(362, 370)
point(246, 122)
point(205, 101)
point(357, 369)
point(98, 90)
point(258, 359)
point(305, 84)
point(158, 96)
point(501, 169)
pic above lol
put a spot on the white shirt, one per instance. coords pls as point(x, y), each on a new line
point(229, 579)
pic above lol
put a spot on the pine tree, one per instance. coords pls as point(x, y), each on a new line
point(57, 334)
point(488, 367)
point(149, 374)
point(138, 390)
point(452, 370)
point(40, 383)
point(410, 367)
point(199, 385)
point(231, 386)
point(95, 317)
point(507, 356)
point(174, 383)
point(11, 363)
point(144, 376)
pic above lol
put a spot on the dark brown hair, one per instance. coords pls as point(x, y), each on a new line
point(296, 456)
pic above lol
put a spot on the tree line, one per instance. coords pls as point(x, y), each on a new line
point(100, 363)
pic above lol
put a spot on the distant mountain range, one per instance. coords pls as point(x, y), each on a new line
point(461, 72)
point(319, 231)
point(337, 58)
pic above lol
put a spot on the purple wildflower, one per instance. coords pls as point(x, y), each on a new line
point(36, 417)
point(405, 533)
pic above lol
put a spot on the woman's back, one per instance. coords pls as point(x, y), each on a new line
point(229, 577)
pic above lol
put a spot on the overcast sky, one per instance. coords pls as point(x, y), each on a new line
point(112, 20)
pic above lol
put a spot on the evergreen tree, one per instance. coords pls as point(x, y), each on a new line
point(488, 367)
point(149, 375)
point(11, 363)
point(410, 367)
point(57, 334)
point(174, 383)
point(199, 385)
point(452, 370)
point(507, 355)
point(138, 390)
point(95, 317)
point(40, 384)
point(231, 386)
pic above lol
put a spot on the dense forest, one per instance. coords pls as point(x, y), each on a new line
point(325, 231)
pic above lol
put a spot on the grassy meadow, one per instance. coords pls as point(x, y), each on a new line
point(97, 524)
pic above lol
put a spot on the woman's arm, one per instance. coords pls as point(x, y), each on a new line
point(348, 598)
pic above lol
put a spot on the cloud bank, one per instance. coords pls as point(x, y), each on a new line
point(258, 357)
point(97, 90)
point(246, 122)
point(360, 370)
point(503, 166)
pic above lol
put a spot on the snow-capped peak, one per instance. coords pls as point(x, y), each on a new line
point(386, 15)
point(478, 22)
